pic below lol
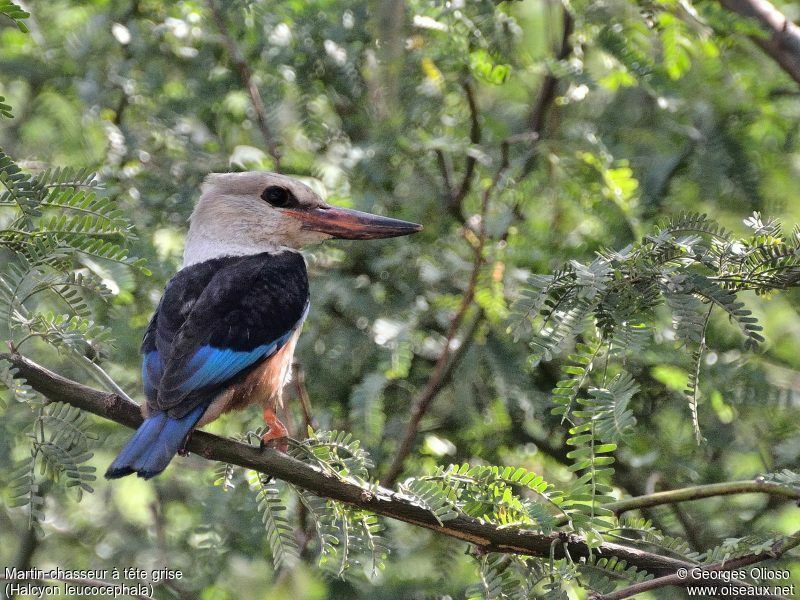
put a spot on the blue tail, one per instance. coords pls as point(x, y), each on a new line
point(154, 444)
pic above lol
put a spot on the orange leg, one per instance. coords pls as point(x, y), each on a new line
point(277, 431)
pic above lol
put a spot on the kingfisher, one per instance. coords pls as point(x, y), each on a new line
point(225, 330)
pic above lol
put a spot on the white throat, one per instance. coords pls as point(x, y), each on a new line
point(200, 248)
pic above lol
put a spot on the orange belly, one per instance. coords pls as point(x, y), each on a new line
point(263, 384)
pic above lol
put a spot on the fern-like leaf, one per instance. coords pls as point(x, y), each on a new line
point(23, 491)
point(280, 536)
point(577, 369)
point(436, 497)
point(336, 452)
point(608, 408)
point(62, 438)
point(603, 575)
point(17, 386)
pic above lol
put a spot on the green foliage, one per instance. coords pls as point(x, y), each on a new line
point(347, 537)
point(336, 452)
point(58, 241)
point(785, 477)
point(736, 547)
point(690, 264)
point(224, 474)
point(641, 533)
point(5, 109)
point(59, 217)
point(62, 439)
point(502, 495)
point(323, 516)
point(609, 408)
point(55, 234)
point(577, 370)
point(501, 577)
point(435, 496)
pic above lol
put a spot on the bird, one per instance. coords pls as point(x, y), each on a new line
point(224, 332)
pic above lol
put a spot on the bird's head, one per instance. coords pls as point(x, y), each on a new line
point(256, 211)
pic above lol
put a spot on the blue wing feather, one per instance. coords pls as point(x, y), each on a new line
point(213, 366)
point(151, 373)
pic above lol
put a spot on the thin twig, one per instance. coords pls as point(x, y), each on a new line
point(443, 365)
point(247, 80)
point(101, 376)
point(728, 488)
point(690, 531)
point(436, 382)
point(447, 179)
point(684, 579)
point(699, 492)
point(302, 533)
point(457, 196)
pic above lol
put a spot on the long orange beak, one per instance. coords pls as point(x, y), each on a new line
point(348, 224)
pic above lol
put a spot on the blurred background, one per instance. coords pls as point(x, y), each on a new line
point(644, 110)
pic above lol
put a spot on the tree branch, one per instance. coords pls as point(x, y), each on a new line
point(299, 379)
point(246, 77)
point(783, 41)
point(447, 179)
point(380, 500)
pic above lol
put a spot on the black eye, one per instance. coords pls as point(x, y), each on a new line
point(277, 196)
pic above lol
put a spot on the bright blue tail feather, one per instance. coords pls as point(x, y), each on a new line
point(154, 444)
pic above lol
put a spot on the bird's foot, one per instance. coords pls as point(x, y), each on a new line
point(277, 436)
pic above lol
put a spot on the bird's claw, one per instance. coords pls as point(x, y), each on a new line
point(183, 451)
point(281, 444)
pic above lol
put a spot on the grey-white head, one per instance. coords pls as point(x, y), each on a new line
point(256, 211)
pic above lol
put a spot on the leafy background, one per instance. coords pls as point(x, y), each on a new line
point(661, 108)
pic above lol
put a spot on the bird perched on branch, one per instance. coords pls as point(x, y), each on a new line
point(224, 333)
